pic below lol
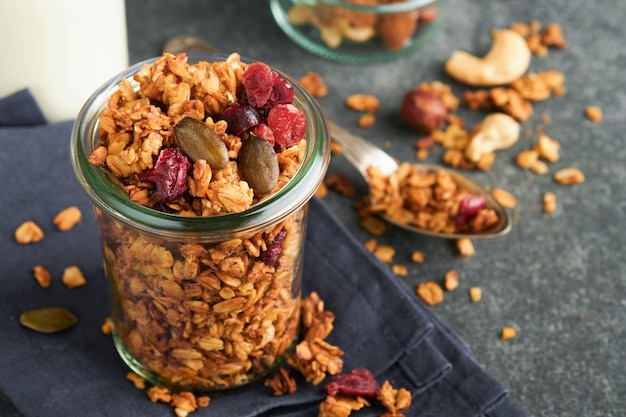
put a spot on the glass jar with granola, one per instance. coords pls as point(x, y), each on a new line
point(200, 169)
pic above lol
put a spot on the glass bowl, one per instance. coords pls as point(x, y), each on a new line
point(360, 31)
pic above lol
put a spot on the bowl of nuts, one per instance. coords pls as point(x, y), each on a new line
point(360, 31)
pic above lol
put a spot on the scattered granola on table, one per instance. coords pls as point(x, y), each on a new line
point(28, 232)
point(508, 333)
point(569, 176)
point(395, 400)
point(539, 39)
point(465, 247)
point(430, 292)
point(475, 294)
point(594, 113)
point(503, 197)
point(42, 275)
point(549, 202)
point(451, 280)
point(341, 184)
point(314, 84)
point(367, 104)
point(73, 277)
point(67, 218)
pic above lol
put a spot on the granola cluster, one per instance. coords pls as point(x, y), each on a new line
point(314, 357)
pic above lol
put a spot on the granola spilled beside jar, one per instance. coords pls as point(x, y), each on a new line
point(204, 269)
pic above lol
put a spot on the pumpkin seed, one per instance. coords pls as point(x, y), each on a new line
point(48, 319)
point(258, 164)
point(199, 141)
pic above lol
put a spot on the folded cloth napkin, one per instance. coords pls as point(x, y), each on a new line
point(380, 324)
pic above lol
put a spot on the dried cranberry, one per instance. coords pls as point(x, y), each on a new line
point(258, 82)
point(169, 175)
point(240, 117)
point(270, 255)
point(288, 124)
point(469, 207)
point(282, 93)
point(357, 382)
point(263, 131)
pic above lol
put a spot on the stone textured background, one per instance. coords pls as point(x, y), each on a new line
point(560, 279)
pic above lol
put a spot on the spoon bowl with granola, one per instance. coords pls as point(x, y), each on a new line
point(423, 198)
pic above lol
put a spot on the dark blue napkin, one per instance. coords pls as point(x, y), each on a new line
point(380, 324)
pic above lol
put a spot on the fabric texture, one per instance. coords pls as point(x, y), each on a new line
point(380, 324)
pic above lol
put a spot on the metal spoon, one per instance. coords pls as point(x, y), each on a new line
point(362, 154)
point(187, 43)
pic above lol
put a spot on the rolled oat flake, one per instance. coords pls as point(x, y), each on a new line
point(48, 319)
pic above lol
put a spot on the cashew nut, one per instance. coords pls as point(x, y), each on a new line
point(496, 131)
point(507, 60)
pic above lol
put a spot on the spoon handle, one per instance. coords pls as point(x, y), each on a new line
point(360, 152)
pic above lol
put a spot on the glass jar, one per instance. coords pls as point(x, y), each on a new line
point(195, 303)
point(360, 31)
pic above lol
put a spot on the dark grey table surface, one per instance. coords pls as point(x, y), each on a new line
point(560, 279)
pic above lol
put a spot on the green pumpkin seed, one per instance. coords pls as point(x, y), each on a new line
point(48, 319)
point(258, 165)
point(199, 141)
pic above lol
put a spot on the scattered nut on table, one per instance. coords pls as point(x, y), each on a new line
point(507, 60)
point(497, 131)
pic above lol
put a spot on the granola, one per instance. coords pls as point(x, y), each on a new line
point(200, 313)
point(67, 218)
point(395, 400)
point(42, 275)
point(73, 277)
point(28, 232)
point(205, 315)
point(428, 200)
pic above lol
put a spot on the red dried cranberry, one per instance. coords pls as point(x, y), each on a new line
point(282, 93)
point(258, 81)
point(357, 382)
point(469, 207)
point(169, 175)
point(240, 117)
point(270, 255)
point(263, 131)
point(288, 124)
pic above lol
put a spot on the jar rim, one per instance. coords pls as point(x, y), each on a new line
point(404, 6)
point(109, 196)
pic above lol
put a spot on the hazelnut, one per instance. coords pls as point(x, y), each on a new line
point(423, 111)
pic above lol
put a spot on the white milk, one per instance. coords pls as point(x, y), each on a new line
point(62, 50)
